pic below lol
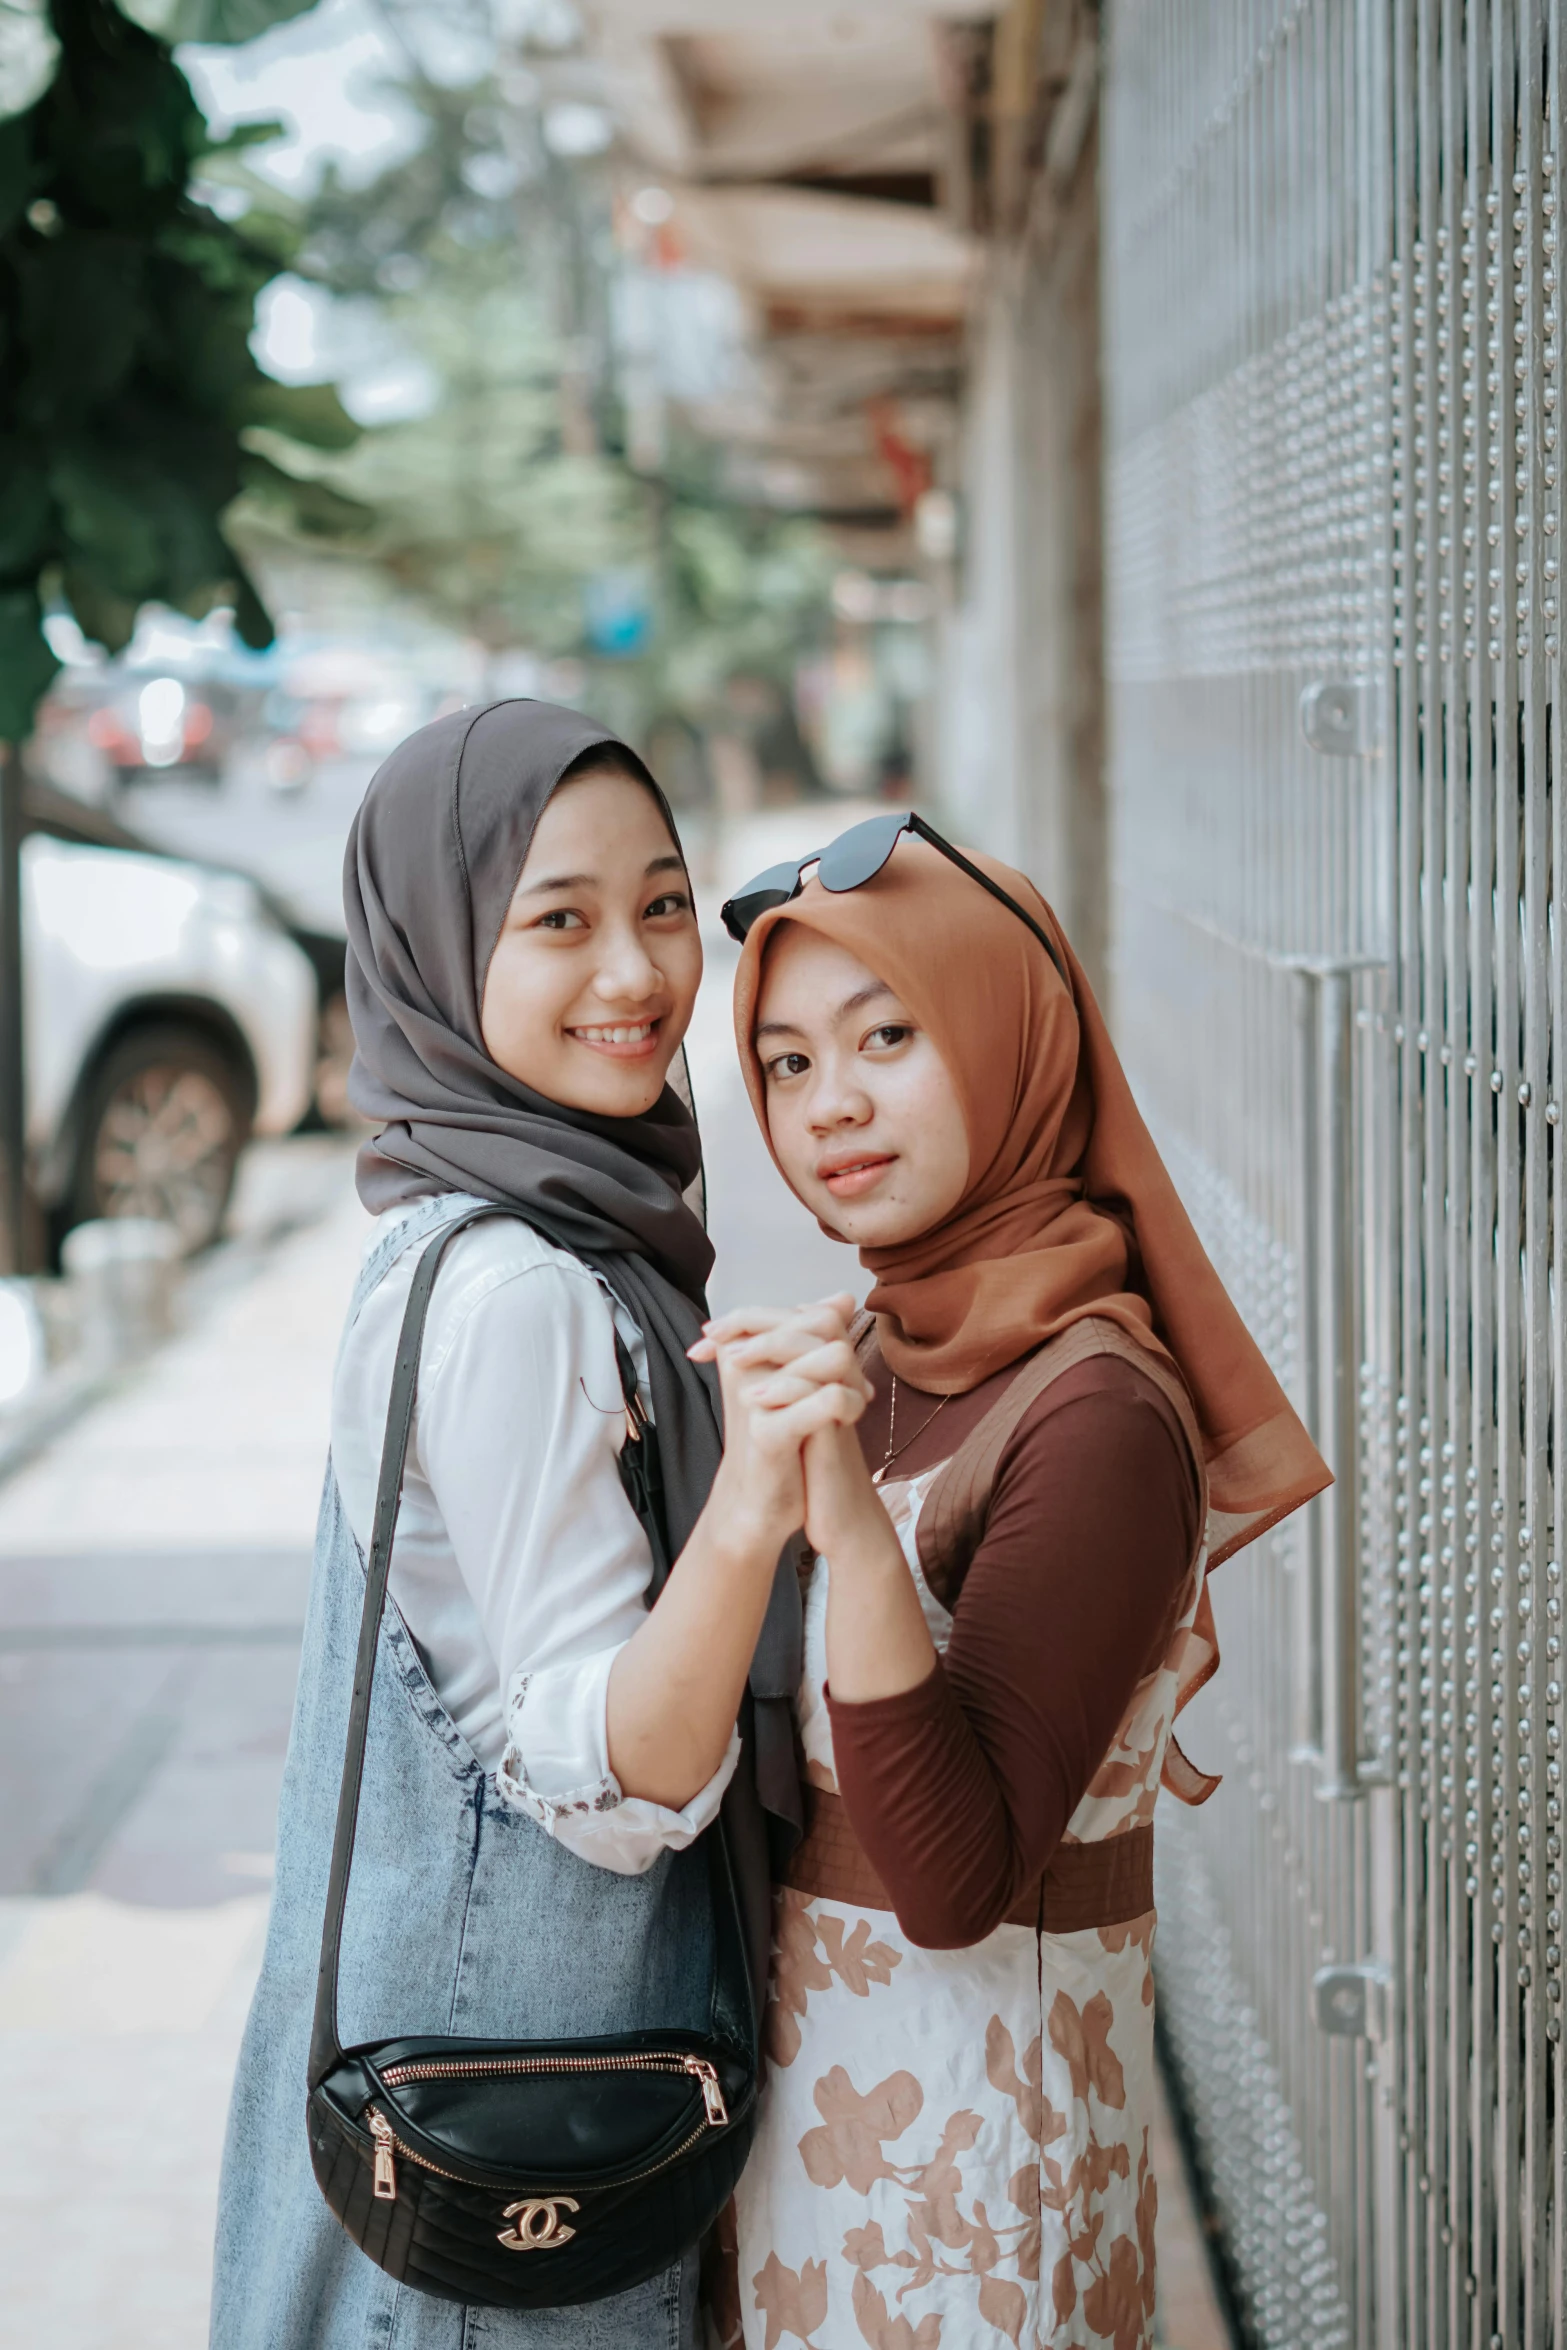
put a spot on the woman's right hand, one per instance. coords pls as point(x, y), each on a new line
point(785, 1373)
point(676, 1686)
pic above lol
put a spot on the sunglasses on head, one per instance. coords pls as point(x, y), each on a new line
point(854, 858)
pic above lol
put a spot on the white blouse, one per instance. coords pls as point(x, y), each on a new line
point(519, 1565)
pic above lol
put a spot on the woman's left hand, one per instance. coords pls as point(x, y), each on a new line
point(878, 1644)
point(802, 1347)
point(877, 1641)
point(784, 1351)
point(844, 1517)
point(776, 1357)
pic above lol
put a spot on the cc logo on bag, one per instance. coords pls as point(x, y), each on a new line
point(538, 2227)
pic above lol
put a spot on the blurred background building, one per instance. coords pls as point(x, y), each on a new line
point(1130, 432)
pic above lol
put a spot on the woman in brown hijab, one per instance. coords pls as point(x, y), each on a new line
point(1069, 1429)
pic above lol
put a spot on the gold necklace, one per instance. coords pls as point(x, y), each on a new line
point(894, 1448)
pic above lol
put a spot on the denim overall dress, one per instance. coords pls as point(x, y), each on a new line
point(463, 1916)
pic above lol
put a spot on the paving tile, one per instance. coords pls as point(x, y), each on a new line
point(140, 1773)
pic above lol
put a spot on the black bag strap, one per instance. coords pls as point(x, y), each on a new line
point(639, 1475)
point(325, 2047)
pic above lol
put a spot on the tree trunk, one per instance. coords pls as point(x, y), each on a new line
point(13, 1163)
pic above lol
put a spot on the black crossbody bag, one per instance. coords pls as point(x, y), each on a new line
point(524, 2174)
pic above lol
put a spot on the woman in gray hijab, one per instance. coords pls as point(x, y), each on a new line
point(550, 1729)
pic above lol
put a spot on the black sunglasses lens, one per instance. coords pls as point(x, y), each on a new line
point(859, 854)
point(741, 912)
point(775, 887)
point(856, 857)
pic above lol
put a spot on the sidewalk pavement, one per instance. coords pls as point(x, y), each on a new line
point(152, 1579)
point(153, 1566)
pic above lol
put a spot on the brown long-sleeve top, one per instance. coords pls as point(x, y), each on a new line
point(959, 1789)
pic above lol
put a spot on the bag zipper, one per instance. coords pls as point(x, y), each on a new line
point(388, 2144)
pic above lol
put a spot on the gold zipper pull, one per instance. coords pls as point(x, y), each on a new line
point(385, 2169)
point(712, 2089)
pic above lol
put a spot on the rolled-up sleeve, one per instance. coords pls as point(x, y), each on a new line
point(556, 1768)
point(519, 1430)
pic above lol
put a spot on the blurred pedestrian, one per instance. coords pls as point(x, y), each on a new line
point(545, 1755)
point(1008, 1607)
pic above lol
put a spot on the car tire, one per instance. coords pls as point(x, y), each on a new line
point(163, 1120)
point(334, 1059)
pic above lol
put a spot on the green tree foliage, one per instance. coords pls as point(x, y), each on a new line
point(483, 507)
point(747, 592)
point(127, 384)
point(492, 261)
point(498, 505)
point(212, 20)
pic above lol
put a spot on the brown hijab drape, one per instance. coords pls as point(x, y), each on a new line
point(1069, 1210)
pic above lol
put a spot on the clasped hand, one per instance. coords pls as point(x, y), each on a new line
point(793, 1390)
point(792, 1393)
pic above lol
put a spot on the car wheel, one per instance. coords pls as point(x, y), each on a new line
point(165, 1118)
point(334, 1058)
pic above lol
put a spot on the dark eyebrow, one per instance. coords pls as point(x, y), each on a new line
point(866, 995)
point(853, 1003)
point(670, 864)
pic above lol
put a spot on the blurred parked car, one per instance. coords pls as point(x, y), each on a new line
point(326, 951)
point(164, 725)
point(169, 1017)
point(339, 705)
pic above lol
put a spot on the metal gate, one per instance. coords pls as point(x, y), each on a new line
point(1335, 520)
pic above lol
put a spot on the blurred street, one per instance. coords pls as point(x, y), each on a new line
point(152, 1576)
point(293, 843)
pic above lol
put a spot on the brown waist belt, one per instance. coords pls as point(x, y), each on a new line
point(1103, 1884)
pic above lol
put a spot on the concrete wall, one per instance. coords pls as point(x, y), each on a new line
point(978, 729)
point(1020, 729)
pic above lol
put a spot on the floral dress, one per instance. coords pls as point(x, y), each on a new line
point(953, 2148)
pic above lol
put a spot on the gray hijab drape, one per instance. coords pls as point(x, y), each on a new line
point(433, 859)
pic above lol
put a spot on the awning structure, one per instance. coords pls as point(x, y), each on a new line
point(811, 160)
point(892, 209)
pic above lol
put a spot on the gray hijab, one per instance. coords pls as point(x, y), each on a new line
point(433, 859)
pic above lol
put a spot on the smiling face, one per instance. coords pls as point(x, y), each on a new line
point(591, 986)
point(862, 1112)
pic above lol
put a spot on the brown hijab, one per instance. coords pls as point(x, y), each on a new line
point(1069, 1210)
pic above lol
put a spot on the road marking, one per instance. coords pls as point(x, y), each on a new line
point(92, 1967)
point(114, 1791)
point(35, 1637)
